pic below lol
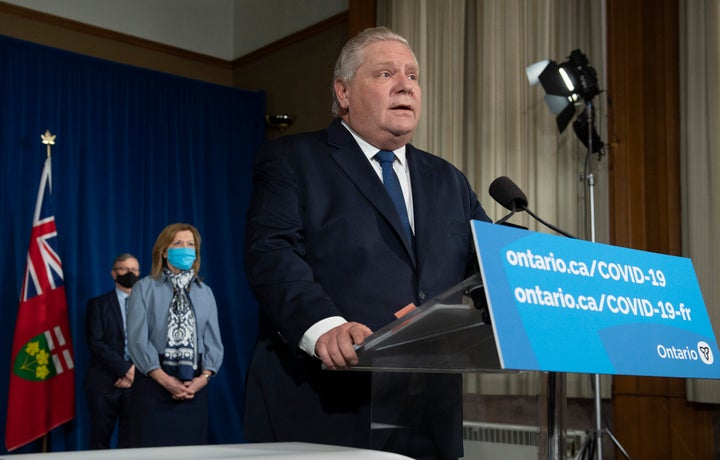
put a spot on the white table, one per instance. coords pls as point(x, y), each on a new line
point(264, 451)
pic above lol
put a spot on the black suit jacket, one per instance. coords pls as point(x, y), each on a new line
point(106, 341)
point(324, 239)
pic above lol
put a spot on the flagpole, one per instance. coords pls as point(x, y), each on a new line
point(48, 139)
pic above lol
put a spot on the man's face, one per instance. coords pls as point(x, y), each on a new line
point(383, 100)
point(128, 265)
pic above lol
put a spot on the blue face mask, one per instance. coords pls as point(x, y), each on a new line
point(181, 258)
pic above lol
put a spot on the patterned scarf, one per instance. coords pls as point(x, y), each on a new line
point(180, 359)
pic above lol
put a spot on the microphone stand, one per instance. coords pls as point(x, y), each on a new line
point(553, 394)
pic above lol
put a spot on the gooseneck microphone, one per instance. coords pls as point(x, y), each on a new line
point(504, 191)
point(508, 194)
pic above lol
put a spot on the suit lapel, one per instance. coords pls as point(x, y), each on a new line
point(422, 179)
point(353, 162)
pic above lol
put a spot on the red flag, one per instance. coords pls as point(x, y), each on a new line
point(42, 378)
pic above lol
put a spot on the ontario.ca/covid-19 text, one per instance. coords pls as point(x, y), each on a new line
point(619, 302)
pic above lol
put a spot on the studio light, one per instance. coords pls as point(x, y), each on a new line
point(566, 85)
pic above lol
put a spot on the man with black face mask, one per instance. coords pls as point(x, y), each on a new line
point(110, 373)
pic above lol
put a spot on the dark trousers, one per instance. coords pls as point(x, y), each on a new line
point(159, 420)
point(106, 409)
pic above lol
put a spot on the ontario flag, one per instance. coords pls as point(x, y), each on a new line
point(42, 378)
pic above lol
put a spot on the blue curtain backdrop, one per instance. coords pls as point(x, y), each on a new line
point(135, 150)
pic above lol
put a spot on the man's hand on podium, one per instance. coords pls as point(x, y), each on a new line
point(336, 348)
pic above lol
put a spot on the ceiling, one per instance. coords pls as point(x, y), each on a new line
point(225, 29)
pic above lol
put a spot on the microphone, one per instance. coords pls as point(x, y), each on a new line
point(504, 191)
point(508, 194)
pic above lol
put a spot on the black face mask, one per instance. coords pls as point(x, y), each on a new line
point(127, 280)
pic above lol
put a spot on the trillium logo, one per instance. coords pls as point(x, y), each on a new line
point(705, 353)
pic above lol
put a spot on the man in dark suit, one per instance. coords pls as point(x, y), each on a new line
point(111, 373)
point(331, 256)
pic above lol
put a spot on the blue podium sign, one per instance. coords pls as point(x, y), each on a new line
point(564, 305)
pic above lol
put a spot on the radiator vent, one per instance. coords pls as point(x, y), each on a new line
point(502, 434)
point(495, 440)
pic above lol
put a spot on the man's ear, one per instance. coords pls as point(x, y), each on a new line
point(341, 93)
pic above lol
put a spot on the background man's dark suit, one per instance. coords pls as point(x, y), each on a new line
point(106, 339)
point(333, 247)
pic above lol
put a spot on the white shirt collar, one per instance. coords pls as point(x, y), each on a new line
point(370, 150)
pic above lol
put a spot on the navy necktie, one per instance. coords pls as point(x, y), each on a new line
point(392, 185)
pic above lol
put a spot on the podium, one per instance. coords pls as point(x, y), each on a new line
point(451, 334)
point(554, 305)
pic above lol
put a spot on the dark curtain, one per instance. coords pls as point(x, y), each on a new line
point(135, 150)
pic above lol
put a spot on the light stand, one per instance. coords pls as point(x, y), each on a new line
point(590, 179)
point(594, 442)
point(567, 85)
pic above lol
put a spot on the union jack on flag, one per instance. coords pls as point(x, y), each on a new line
point(42, 381)
point(43, 271)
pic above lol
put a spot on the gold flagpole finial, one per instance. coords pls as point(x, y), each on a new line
point(48, 139)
